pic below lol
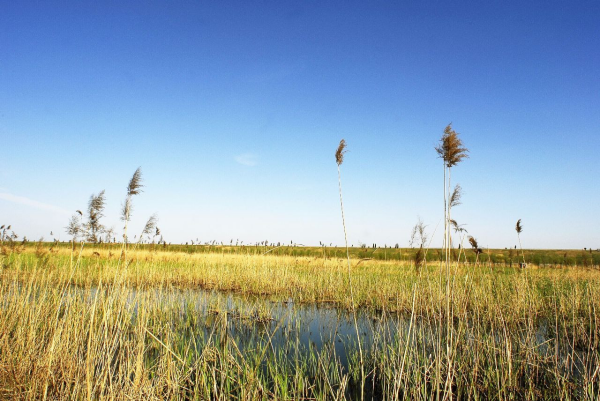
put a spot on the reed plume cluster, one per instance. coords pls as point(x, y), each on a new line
point(92, 229)
point(5, 233)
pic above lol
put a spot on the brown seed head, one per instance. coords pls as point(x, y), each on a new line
point(150, 225)
point(451, 148)
point(96, 204)
point(456, 195)
point(339, 153)
point(519, 227)
point(135, 184)
point(475, 245)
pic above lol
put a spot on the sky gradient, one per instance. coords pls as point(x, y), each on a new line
point(234, 111)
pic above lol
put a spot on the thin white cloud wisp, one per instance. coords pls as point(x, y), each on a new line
point(21, 200)
point(247, 159)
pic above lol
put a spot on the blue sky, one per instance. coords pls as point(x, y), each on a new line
point(234, 111)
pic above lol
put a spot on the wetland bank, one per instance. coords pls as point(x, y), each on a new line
point(244, 325)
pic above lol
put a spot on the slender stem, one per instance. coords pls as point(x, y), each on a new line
point(447, 385)
point(362, 369)
point(439, 339)
point(521, 246)
point(126, 216)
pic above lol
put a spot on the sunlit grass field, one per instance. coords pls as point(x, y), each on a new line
point(89, 322)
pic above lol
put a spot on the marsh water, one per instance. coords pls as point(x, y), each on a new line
point(291, 327)
point(288, 332)
point(255, 321)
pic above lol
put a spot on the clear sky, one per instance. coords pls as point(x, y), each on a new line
point(234, 110)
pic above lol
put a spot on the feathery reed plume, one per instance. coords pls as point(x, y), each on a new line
point(95, 209)
point(339, 159)
point(126, 210)
point(476, 249)
point(339, 153)
point(134, 188)
point(519, 227)
point(451, 148)
point(150, 226)
point(454, 224)
point(456, 195)
point(3, 234)
point(474, 244)
point(96, 203)
point(135, 184)
point(458, 228)
point(74, 228)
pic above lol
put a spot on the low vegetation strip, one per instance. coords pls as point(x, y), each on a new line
point(94, 325)
point(380, 285)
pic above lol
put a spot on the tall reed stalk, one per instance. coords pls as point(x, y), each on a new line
point(134, 188)
point(452, 151)
point(339, 158)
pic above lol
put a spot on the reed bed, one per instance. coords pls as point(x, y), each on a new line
point(96, 326)
point(488, 257)
point(378, 285)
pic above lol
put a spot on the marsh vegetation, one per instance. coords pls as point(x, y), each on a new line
point(139, 318)
point(180, 325)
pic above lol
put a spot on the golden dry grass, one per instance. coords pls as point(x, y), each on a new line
point(120, 344)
